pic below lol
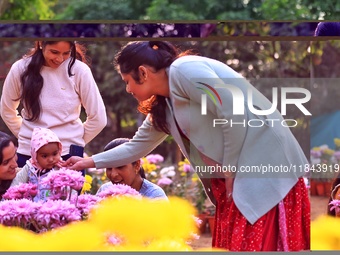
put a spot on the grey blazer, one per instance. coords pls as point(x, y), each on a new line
point(235, 143)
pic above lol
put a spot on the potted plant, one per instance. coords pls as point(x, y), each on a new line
point(210, 210)
point(199, 203)
point(323, 169)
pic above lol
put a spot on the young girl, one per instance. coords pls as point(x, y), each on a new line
point(131, 174)
point(254, 211)
point(46, 151)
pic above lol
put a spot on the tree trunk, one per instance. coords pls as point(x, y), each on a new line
point(4, 4)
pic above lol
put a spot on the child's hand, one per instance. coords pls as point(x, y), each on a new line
point(60, 163)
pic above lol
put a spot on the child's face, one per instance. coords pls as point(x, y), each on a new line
point(48, 155)
point(128, 174)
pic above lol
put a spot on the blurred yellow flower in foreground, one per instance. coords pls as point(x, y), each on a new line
point(142, 224)
point(325, 233)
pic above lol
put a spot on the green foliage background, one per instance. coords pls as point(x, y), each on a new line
point(169, 10)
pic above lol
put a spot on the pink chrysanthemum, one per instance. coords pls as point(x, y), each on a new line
point(197, 220)
point(56, 213)
point(155, 158)
point(335, 205)
point(62, 182)
point(119, 190)
point(64, 178)
point(316, 153)
point(114, 240)
point(85, 202)
point(187, 168)
point(23, 190)
point(17, 212)
point(165, 181)
point(337, 155)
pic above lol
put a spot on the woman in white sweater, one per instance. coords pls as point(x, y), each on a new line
point(52, 82)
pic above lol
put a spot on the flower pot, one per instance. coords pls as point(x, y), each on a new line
point(320, 189)
point(312, 188)
point(328, 188)
point(211, 221)
point(203, 226)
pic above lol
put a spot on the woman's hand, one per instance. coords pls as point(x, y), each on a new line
point(78, 163)
point(229, 184)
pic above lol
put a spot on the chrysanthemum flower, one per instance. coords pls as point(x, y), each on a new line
point(165, 181)
point(168, 171)
point(85, 202)
point(23, 190)
point(17, 212)
point(64, 178)
point(56, 213)
point(154, 158)
point(119, 190)
point(114, 240)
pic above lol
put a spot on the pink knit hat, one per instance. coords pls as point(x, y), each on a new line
point(41, 137)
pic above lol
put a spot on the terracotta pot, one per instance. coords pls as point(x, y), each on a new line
point(320, 188)
point(211, 221)
point(312, 188)
point(328, 188)
point(203, 227)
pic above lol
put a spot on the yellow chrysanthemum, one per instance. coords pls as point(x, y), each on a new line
point(148, 168)
point(155, 219)
point(181, 165)
point(103, 177)
point(168, 245)
point(329, 152)
point(194, 177)
point(144, 160)
point(144, 224)
point(76, 236)
point(325, 233)
point(88, 178)
point(87, 184)
point(86, 187)
point(182, 162)
point(337, 142)
point(17, 239)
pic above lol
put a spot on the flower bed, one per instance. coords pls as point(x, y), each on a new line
point(119, 219)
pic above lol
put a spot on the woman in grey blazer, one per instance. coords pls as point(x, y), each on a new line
point(249, 163)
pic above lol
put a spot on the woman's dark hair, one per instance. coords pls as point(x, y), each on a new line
point(32, 81)
point(5, 141)
point(118, 141)
point(158, 55)
point(327, 29)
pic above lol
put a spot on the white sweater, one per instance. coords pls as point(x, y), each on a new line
point(61, 99)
